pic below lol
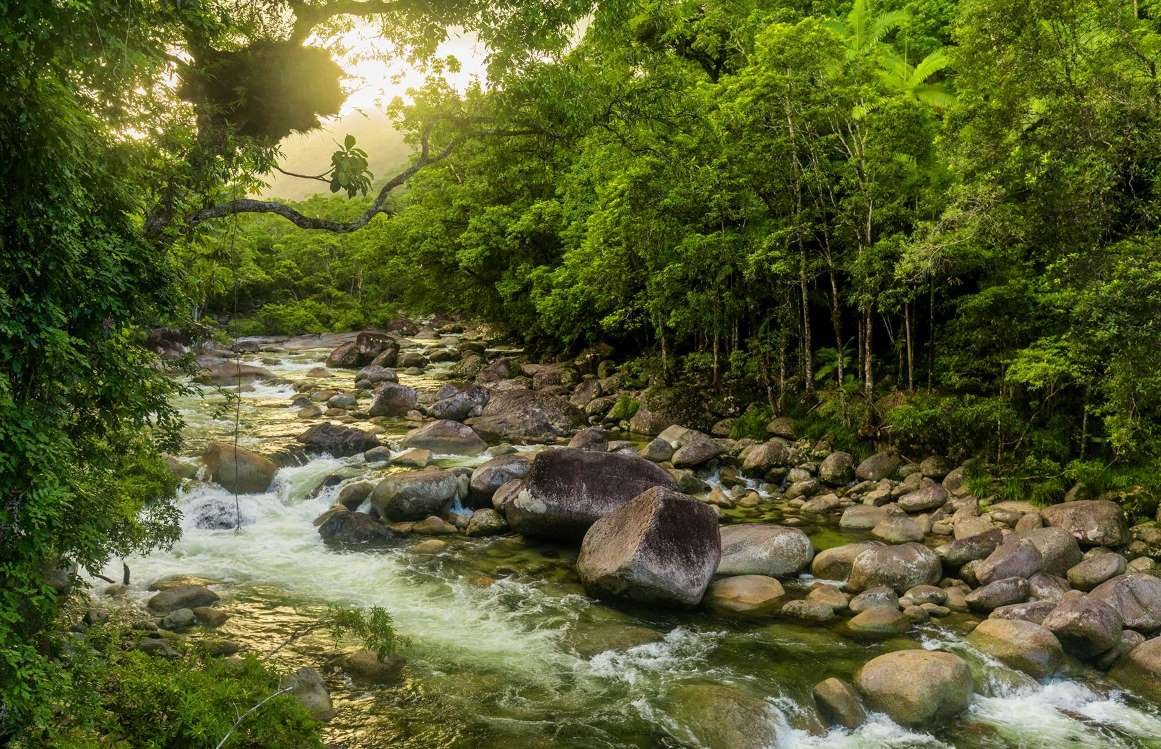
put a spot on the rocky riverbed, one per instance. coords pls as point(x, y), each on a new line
point(570, 571)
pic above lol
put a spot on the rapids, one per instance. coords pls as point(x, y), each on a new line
point(501, 640)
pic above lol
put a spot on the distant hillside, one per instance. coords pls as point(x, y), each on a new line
point(311, 153)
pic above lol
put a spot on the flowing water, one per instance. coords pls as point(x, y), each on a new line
point(502, 644)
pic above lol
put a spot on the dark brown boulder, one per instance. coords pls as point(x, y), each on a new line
point(337, 440)
point(567, 490)
point(661, 547)
point(361, 351)
point(527, 416)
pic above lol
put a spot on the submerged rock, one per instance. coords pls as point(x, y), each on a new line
point(567, 490)
point(721, 717)
point(839, 703)
point(661, 547)
point(916, 687)
point(347, 528)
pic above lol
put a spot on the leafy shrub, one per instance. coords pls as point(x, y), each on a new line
point(752, 423)
point(625, 407)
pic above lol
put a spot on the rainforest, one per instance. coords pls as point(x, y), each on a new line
point(580, 373)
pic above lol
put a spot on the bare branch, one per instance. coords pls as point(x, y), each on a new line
point(320, 177)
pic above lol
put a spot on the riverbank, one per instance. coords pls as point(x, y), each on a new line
point(511, 643)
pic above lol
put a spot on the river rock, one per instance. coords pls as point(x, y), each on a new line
point(862, 517)
point(393, 400)
point(416, 457)
point(998, 593)
point(964, 550)
point(697, 451)
point(1044, 587)
point(1092, 522)
point(660, 547)
point(898, 567)
point(1029, 611)
point(306, 685)
point(238, 469)
point(838, 702)
point(346, 528)
point(836, 563)
point(337, 440)
point(1093, 571)
point(759, 549)
point(880, 620)
point(760, 459)
point(527, 415)
point(457, 402)
point(1085, 626)
point(879, 466)
point(184, 597)
point(495, 473)
point(225, 372)
point(898, 529)
point(178, 619)
point(415, 495)
point(486, 522)
point(1140, 669)
point(722, 717)
point(828, 595)
point(1136, 598)
point(593, 438)
point(353, 495)
point(929, 496)
point(374, 374)
point(878, 597)
point(916, 687)
point(1058, 549)
point(361, 351)
point(1021, 645)
point(837, 469)
point(1016, 557)
point(809, 611)
point(567, 490)
point(366, 666)
point(746, 594)
point(446, 438)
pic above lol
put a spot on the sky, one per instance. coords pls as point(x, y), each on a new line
point(371, 85)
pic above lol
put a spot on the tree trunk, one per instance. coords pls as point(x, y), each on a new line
point(930, 335)
point(807, 350)
point(868, 369)
point(836, 322)
point(910, 348)
point(717, 367)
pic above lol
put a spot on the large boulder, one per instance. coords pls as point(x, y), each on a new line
point(415, 495)
point(567, 490)
point(879, 466)
point(307, 687)
point(361, 351)
point(1092, 522)
point(456, 401)
point(1137, 598)
point(837, 469)
point(182, 597)
point(722, 717)
point(227, 372)
point(337, 440)
point(1140, 669)
point(836, 562)
point(838, 702)
point(393, 400)
point(963, 550)
point(528, 416)
point(1016, 557)
point(929, 496)
point(997, 593)
point(916, 687)
point(1095, 570)
point(1021, 645)
point(759, 459)
point(346, 528)
point(495, 473)
point(759, 549)
point(446, 437)
point(696, 451)
point(1058, 549)
point(660, 547)
point(1085, 626)
point(238, 469)
point(899, 567)
point(374, 374)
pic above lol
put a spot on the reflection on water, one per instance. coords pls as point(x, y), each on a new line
point(504, 649)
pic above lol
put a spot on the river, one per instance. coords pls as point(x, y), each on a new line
point(501, 639)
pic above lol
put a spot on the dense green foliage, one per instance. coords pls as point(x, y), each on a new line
point(940, 219)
